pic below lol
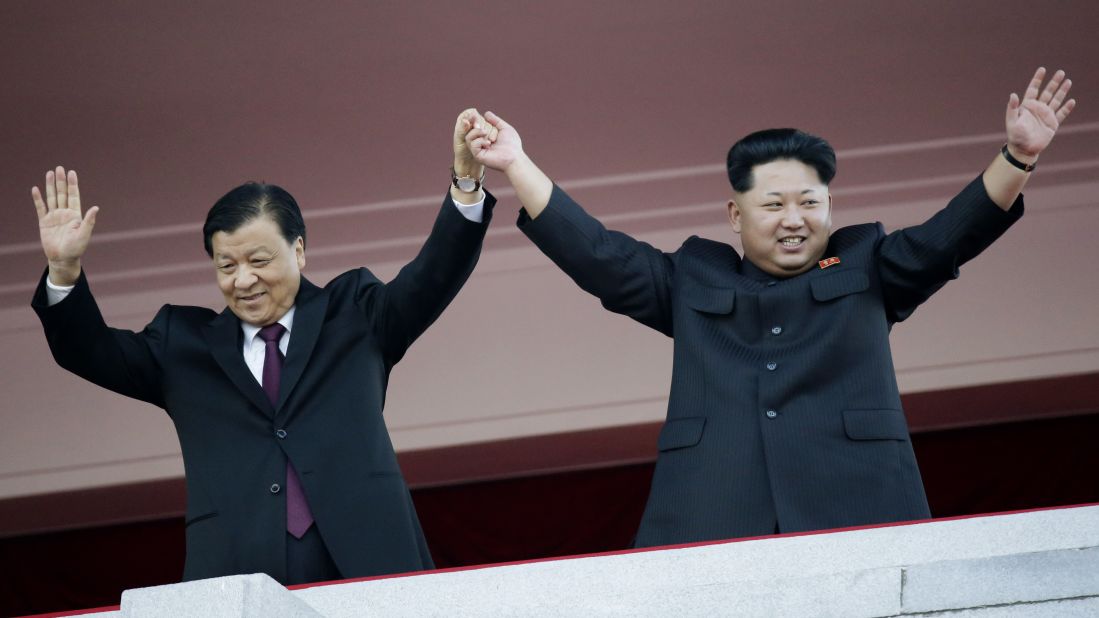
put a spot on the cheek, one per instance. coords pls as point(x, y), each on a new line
point(225, 284)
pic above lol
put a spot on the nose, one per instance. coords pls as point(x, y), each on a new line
point(244, 279)
point(791, 218)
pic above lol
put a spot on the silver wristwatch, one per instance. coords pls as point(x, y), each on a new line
point(467, 184)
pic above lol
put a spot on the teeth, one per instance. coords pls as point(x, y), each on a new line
point(792, 241)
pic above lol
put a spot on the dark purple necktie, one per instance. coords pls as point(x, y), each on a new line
point(298, 515)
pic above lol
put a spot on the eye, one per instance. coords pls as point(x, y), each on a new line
point(261, 262)
point(225, 268)
point(810, 203)
point(772, 205)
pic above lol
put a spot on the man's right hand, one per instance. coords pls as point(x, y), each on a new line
point(64, 232)
point(504, 152)
point(495, 143)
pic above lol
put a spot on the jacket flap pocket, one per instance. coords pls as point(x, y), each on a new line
point(709, 299)
point(200, 517)
point(681, 432)
point(839, 284)
point(875, 424)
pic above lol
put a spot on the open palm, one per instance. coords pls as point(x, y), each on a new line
point(1032, 122)
point(64, 232)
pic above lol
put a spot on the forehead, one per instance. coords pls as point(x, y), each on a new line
point(261, 233)
point(784, 176)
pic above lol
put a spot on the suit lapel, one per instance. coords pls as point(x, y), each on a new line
point(311, 304)
point(223, 338)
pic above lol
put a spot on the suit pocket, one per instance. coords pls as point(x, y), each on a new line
point(681, 433)
point(719, 301)
point(884, 424)
point(198, 518)
point(842, 283)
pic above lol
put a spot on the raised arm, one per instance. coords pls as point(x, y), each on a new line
point(81, 342)
point(628, 276)
point(425, 286)
point(917, 261)
point(1031, 125)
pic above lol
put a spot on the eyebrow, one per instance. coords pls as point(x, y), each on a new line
point(779, 193)
point(247, 255)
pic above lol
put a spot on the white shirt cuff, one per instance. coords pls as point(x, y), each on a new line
point(56, 293)
point(473, 212)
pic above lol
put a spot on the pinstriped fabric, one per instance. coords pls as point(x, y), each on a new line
point(784, 406)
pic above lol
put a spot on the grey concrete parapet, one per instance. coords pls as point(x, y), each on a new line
point(1037, 563)
point(1040, 563)
point(238, 596)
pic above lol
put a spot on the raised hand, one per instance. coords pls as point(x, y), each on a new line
point(1032, 122)
point(64, 232)
point(464, 163)
point(495, 143)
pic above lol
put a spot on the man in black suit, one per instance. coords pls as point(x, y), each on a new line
point(784, 413)
point(277, 400)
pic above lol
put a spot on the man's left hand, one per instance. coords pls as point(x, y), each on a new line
point(1032, 122)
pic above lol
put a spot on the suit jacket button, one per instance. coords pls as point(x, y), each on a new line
point(771, 414)
point(772, 366)
point(776, 330)
point(275, 488)
point(281, 433)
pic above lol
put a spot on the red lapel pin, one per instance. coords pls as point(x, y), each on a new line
point(825, 263)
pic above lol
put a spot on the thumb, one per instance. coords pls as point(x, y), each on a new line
point(1012, 106)
point(89, 218)
point(496, 121)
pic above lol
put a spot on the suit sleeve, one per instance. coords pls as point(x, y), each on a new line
point(123, 361)
point(917, 261)
point(414, 299)
point(628, 276)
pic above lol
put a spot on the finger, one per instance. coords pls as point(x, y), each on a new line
point(493, 133)
point(51, 192)
point(62, 187)
point(1062, 92)
point(39, 205)
point(475, 133)
point(1065, 110)
point(1035, 84)
point(74, 192)
point(465, 119)
point(496, 121)
point(1012, 107)
point(1052, 86)
point(478, 145)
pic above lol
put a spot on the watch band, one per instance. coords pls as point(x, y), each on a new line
point(1026, 167)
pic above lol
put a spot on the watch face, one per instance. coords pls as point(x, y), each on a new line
point(467, 184)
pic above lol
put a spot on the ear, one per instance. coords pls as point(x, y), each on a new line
point(299, 252)
point(828, 219)
point(734, 215)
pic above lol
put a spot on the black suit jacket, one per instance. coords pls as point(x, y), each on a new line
point(345, 339)
point(784, 408)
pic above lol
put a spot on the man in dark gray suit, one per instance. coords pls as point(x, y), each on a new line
point(277, 400)
point(784, 413)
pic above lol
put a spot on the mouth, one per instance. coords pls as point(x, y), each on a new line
point(792, 242)
point(250, 298)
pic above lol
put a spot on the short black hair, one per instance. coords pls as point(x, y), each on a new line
point(774, 144)
point(249, 201)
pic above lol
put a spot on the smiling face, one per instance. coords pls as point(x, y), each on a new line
point(785, 219)
point(258, 272)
